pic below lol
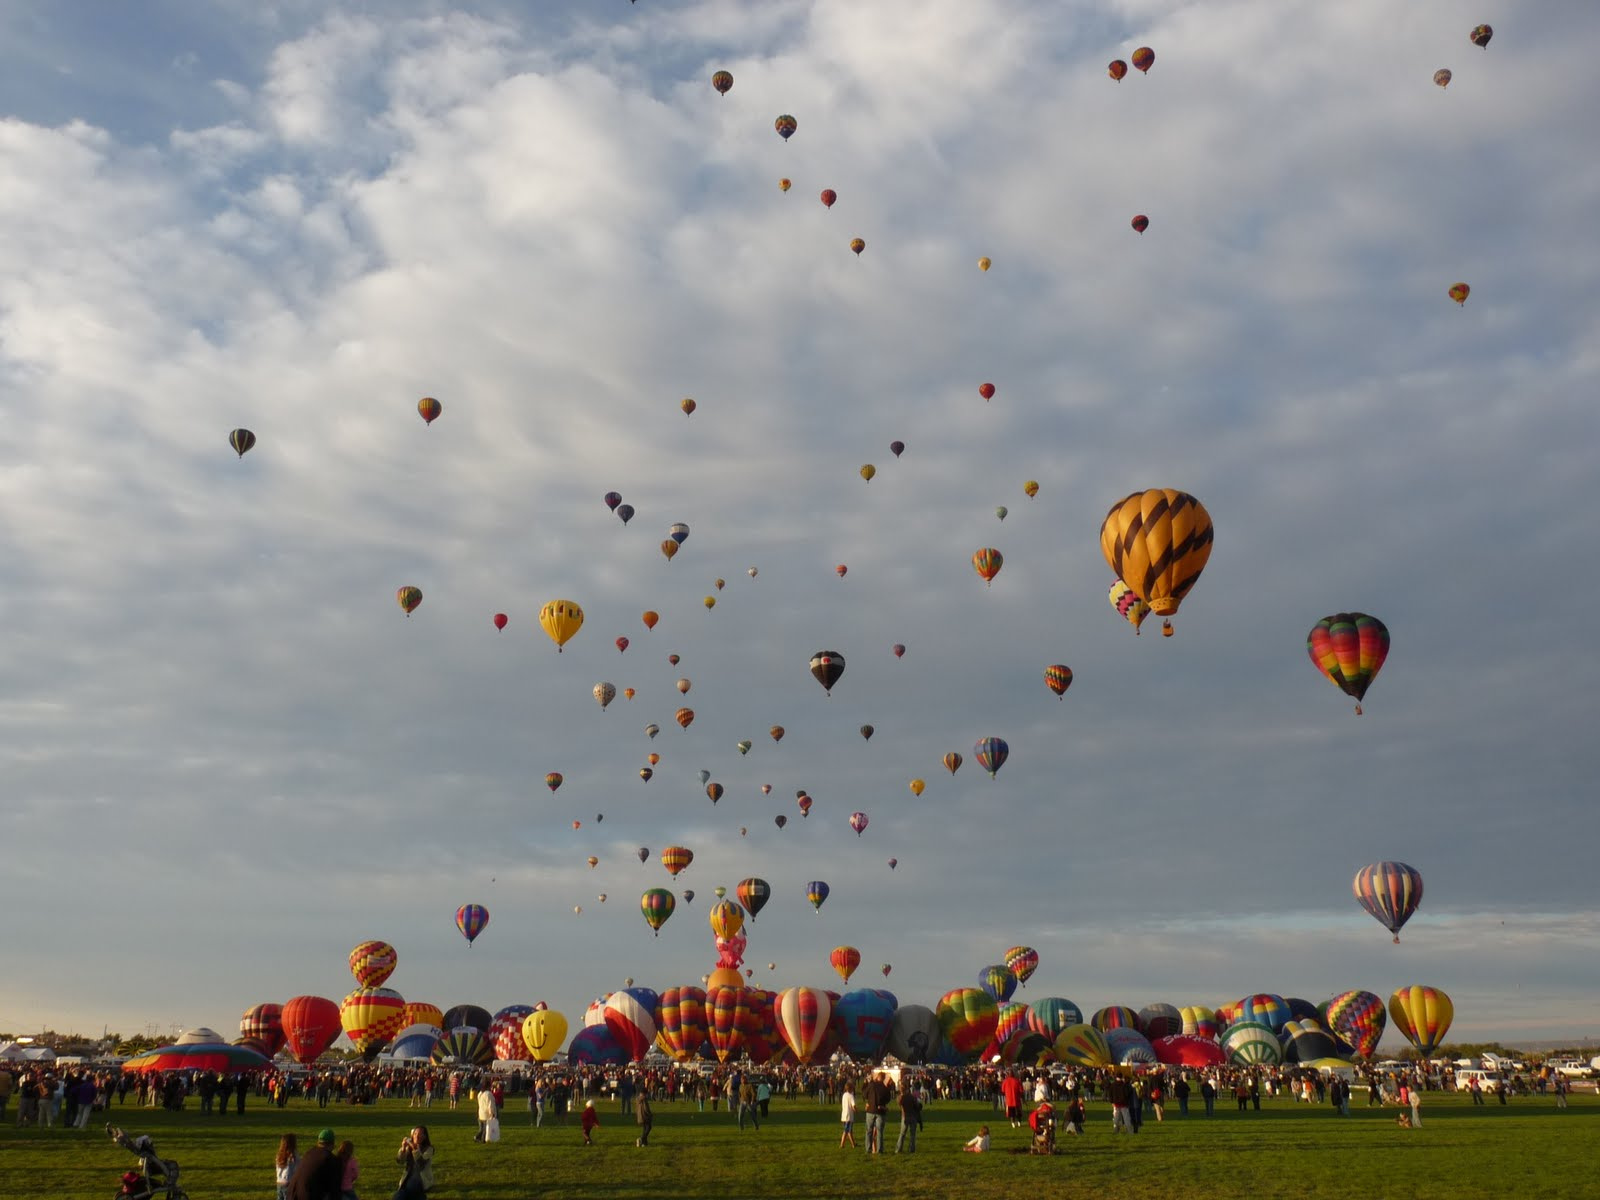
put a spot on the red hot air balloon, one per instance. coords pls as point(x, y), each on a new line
point(372, 963)
point(1117, 69)
point(310, 1025)
point(986, 390)
point(1140, 223)
point(262, 1027)
point(1143, 59)
point(858, 822)
point(828, 197)
point(1459, 293)
point(899, 650)
point(501, 620)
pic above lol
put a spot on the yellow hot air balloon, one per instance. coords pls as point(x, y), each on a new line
point(561, 619)
point(669, 548)
point(710, 601)
point(917, 787)
point(783, 185)
point(983, 263)
point(545, 1030)
point(1158, 542)
point(1031, 488)
point(868, 471)
point(726, 918)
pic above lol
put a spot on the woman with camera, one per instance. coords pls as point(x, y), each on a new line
point(416, 1156)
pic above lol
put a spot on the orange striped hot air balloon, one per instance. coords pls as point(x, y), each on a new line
point(429, 409)
point(987, 561)
point(676, 858)
point(1157, 541)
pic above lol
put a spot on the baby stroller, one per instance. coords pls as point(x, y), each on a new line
point(159, 1180)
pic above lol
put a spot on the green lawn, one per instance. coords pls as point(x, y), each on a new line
point(1526, 1149)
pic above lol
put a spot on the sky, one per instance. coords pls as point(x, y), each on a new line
point(228, 756)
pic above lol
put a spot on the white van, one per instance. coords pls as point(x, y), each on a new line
point(1489, 1081)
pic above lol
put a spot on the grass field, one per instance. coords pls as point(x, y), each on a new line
point(1527, 1149)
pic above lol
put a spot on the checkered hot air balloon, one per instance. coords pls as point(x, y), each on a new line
point(372, 963)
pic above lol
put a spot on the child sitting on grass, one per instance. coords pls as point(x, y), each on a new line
point(980, 1143)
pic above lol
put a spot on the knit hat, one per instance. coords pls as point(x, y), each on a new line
point(325, 1138)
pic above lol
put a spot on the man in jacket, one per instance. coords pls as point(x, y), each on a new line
point(320, 1175)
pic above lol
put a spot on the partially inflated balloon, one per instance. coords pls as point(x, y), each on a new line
point(561, 620)
point(1158, 541)
point(1423, 1015)
point(1390, 891)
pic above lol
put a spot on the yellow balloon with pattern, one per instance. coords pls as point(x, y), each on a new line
point(561, 619)
point(544, 1031)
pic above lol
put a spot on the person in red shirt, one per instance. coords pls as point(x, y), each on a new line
point(1011, 1093)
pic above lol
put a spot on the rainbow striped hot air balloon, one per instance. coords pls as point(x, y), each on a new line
point(676, 858)
point(1012, 1019)
point(1022, 961)
point(802, 1015)
point(1114, 1016)
point(967, 1017)
point(1082, 1046)
point(991, 753)
point(1349, 649)
point(681, 1022)
point(1359, 1018)
point(1423, 1015)
point(1199, 1021)
point(845, 960)
point(1053, 1014)
point(657, 904)
point(1390, 891)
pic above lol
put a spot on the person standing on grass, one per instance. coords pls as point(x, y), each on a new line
point(645, 1116)
point(877, 1098)
point(486, 1113)
point(285, 1163)
point(847, 1115)
point(1415, 1096)
point(747, 1103)
point(590, 1122)
point(1181, 1091)
point(1011, 1095)
point(910, 1117)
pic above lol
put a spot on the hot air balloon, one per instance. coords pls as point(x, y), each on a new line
point(1158, 541)
point(370, 1017)
point(241, 440)
point(893, 863)
point(917, 786)
point(261, 1026)
point(743, 746)
point(1030, 489)
point(1022, 961)
point(898, 649)
point(828, 197)
point(651, 730)
point(784, 185)
point(680, 1018)
point(1442, 77)
point(1140, 223)
point(409, 598)
point(1117, 69)
point(1480, 36)
point(1359, 1018)
point(776, 733)
point(857, 245)
point(726, 917)
point(991, 753)
point(1251, 1044)
point(998, 981)
point(471, 919)
point(1082, 1046)
point(625, 513)
point(786, 125)
point(684, 717)
point(1058, 678)
point(826, 667)
point(1143, 59)
point(722, 81)
point(1349, 649)
point(429, 408)
point(650, 618)
point(683, 685)
point(657, 905)
point(805, 803)
point(1423, 1015)
point(952, 762)
point(543, 1032)
point(987, 562)
point(967, 1018)
point(1001, 512)
point(679, 533)
point(630, 1018)
point(816, 892)
point(604, 694)
point(1459, 293)
point(501, 620)
point(897, 448)
point(867, 732)
point(1390, 891)
point(1053, 1014)
point(561, 620)
point(986, 390)
point(858, 822)
point(868, 471)
point(676, 858)
point(310, 1024)
point(688, 895)
point(845, 960)
point(593, 862)
point(613, 499)
point(984, 264)
point(372, 963)
point(1128, 605)
point(643, 853)
point(714, 790)
point(753, 893)
point(841, 570)
point(688, 405)
point(669, 548)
